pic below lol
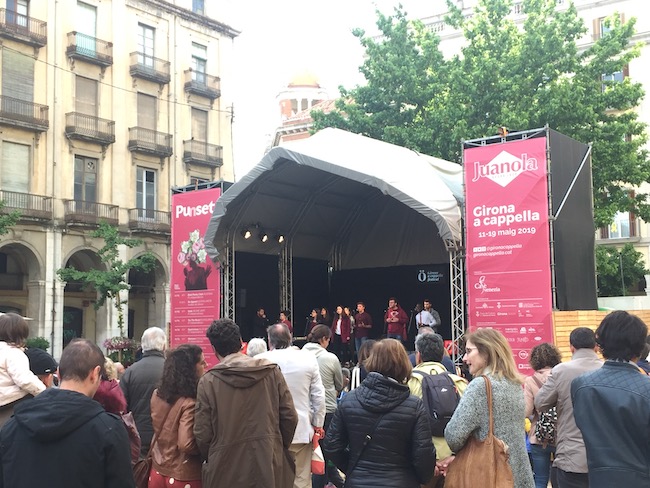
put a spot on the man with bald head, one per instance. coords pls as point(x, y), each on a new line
point(300, 371)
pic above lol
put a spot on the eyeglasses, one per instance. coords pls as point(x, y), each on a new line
point(468, 350)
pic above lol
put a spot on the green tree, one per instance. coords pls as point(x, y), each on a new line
point(521, 77)
point(616, 267)
point(7, 220)
point(110, 282)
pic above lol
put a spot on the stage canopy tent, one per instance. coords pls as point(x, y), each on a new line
point(355, 201)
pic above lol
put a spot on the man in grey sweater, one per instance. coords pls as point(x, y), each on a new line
point(570, 454)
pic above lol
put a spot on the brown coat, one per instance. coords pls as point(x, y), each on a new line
point(244, 425)
point(175, 453)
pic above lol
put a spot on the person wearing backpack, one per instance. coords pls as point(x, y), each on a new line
point(430, 380)
point(541, 436)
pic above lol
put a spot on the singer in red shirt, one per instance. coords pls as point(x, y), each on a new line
point(396, 320)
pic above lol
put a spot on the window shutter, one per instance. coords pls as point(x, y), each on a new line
point(17, 75)
point(632, 217)
point(15, 167)
point(199, 125)
point(596, 29)
point(604, 232)
point(626, 71)
point(86, 96)
point(146, 111)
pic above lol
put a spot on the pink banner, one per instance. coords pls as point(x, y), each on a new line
point(508, 247)
point(195, 278)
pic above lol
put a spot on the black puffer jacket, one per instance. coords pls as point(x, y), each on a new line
point(400, 453)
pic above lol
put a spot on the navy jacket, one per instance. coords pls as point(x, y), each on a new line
point(400, 453)
point(63, 439)
point(611, 406)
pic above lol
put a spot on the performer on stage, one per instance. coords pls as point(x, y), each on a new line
point(284, 318)
point(396, 320)
point(260, 323)
point(362, 325)
point(312, 321)
point(340, 335)
point(434, 314)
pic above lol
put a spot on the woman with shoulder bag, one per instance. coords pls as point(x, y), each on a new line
point(380, 434)
point(543, 358)
point(489, 415)
point(174, 454)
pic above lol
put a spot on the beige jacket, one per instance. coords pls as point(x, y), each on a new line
point(570, 454)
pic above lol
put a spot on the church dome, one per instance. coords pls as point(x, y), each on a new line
point(304, 78)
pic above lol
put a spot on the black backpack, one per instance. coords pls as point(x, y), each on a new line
point(440, 397)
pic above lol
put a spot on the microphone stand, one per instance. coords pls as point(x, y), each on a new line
point(307, 326)
point(408, 330)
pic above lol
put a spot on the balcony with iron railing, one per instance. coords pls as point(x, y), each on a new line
point(22, 28)
point(150, 142)
point(145, 220)
point(89, 128)
point(149, 68)
point(197, 152)
point(30, 207)
point(202, 84)
point(89, 49)
point(90, 213)
point(21, 113)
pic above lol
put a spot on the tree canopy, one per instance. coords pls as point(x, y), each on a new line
point(618, 270)
point(521, 76)
point(7, 219)
point(110, 282)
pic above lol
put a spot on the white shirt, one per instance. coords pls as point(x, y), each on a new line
point(338, 327)
point(425, 318)
point(300, 371)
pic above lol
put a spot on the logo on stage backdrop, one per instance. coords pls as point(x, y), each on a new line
point(508, 259)
point(195, 292)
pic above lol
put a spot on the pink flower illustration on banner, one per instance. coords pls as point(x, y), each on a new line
point(192, 253)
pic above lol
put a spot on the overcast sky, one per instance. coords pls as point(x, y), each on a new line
point(282, 38)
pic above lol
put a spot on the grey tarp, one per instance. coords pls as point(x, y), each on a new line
point(344, 197)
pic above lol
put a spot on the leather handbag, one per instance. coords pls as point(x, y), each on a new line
point(482, 463)
point(142, 468)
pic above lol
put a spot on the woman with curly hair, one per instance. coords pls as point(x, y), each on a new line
point(174, 454)
point(542, 359)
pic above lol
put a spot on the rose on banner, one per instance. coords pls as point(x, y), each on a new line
point(192, 254)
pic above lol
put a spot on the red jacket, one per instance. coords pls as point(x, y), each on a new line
point(398, 327)
point(345, 328)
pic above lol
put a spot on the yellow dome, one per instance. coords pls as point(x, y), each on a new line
point(305, 79)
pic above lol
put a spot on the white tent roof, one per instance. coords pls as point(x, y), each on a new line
point(343, 194)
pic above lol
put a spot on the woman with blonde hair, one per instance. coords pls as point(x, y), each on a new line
point(487, 353)
point(380, 434)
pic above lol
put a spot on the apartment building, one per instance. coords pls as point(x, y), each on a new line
point(104, 106)
point(626, 227)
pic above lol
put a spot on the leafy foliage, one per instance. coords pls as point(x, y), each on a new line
point(7, 220)
point(38, 343)
point(110, 282)
point(520, 77)
point(608, 264)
